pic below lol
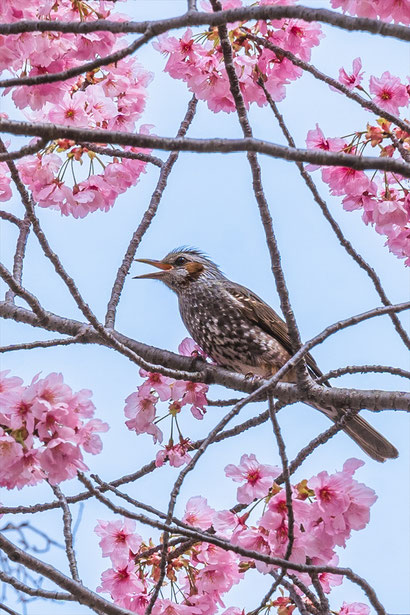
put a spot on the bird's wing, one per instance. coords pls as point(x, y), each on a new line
point(259, 312)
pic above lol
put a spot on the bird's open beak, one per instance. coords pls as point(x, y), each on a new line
point(156, 275)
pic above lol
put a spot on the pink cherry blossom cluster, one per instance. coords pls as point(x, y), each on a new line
point(141, 409)
point(384, 197)
point(111, 97)
point(326, 510)
point(197, 59)
point(44, 430)
point(387, 10)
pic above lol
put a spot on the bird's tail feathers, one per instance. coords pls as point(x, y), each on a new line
point(365, 436)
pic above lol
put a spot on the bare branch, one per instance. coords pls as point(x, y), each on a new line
point(363, 369)
point(146, 219)
point(249, 144)
point(6, 215)
point(26, 150)
point(44, 344)
point(68, 536)
point(30, 591)
point(19, 254)
point(25, 294)
point(121, 153)
point(7, 609)
point(317, 441)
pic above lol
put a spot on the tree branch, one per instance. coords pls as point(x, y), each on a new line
point(19, 255)
point(320, 157)
point(68, 536)
point(26, 150)
point(200, 371)
point(122, 153)
point(363, 369)
point(30, 591)
point(360, 24)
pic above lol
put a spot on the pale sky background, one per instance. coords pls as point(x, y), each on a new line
point(209, 204)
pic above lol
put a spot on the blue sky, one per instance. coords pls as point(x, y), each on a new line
point(209, 204)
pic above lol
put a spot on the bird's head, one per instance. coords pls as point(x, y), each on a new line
point(180, 268)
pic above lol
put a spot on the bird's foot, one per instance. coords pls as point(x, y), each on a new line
point(254, 379)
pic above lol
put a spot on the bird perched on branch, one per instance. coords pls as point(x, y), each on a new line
point(242, 333)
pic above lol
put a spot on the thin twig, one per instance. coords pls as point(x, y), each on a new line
point(146, 219)
point(364, 369)
point(25, 294)
point(19, 256)
point(78, 339)
point(68, 536)
point(26, 150)
point(122, 153)
point(5, 215)
point(288, 488)
point(30, 591)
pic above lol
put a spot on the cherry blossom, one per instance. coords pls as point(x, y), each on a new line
point(197, 59)
point(198, 513)
point(176, 454)
point(384, 200)
point(258, 477)
point(352, 80)
point(354, 608)
point(326, 508)
point(142, 407)
point(118, 538)
point(389, 92)
point(396, 10)
point(42, 430)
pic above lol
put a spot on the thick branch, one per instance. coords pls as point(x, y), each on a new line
point(199, 371)
point(6, 215)
point(320, 157)
point(361, 24)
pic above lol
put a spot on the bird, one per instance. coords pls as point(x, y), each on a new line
point(242, 333)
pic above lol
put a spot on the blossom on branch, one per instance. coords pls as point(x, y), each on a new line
point(43, 432)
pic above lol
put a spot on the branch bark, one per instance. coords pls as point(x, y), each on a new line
point(249, 144)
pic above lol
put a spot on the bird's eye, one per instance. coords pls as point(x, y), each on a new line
point(181, 260)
